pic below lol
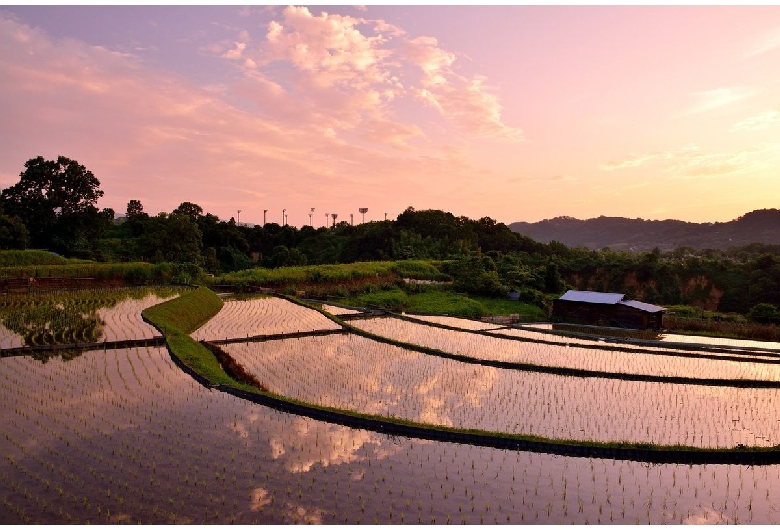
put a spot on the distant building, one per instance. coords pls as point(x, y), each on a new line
point(606, 309)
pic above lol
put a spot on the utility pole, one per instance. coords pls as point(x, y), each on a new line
point(239, 218)
point(385, 216)
point(264, 212)
point(284, 216)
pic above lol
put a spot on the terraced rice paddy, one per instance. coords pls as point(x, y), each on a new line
point(634, 360)
point(687, 339)
point(454, 322)
point(261, 316)
point(82, 316)
point(355, 373)
point(124, 436)
point(336, 310)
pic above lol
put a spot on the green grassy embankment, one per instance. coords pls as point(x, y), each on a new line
point(23, 258)
point(444, 301)
point(179, 317)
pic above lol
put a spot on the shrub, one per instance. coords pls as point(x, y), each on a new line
point(393, 300)
point(764, 313)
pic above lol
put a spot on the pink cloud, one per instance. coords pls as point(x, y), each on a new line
point(693, 162)
point(153, 136)
point(357, 73)
point(765, 120)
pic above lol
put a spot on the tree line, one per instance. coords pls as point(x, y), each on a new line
point(54, 207)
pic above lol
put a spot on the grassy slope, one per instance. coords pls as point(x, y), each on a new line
point(181, 316)
point(504, 306)
point(21, 258)
point(447, 302)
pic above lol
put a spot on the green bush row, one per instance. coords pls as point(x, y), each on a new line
point(131, 273)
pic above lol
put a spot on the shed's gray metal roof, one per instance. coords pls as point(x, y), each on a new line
point(648, 308)
point(592, 297)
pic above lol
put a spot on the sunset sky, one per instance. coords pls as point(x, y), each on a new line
point(519, 113)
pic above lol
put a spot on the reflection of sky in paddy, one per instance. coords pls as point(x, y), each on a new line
point(676, 337)
point(580, 357)
point(123, 321)
point(9, 339)
point(126, 433)
point(455, 322)
point(336, 310)
point(355, 373)
point(261, 316)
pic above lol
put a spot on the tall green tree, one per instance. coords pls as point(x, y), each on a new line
point(174, 238)
point(135, 210)
point(13, 233)
point(53, 195)
point(190, 209)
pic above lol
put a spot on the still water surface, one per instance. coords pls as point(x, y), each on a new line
point(125, 436)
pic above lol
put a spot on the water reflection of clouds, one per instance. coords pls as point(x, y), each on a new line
point(706, 515)
point(258, 316)
point(303, 443)
point(571, 352)
point(299, 514)
point(124, 321)
point(259, 498)
point(360, 374)
point(171, 402)
point(375, 378)
point(242, 427)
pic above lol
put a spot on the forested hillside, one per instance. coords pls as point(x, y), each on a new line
point(620, 233)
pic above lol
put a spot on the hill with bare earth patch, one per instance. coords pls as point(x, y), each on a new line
point(620, 233)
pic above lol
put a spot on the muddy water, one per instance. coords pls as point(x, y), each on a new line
point(125, 436)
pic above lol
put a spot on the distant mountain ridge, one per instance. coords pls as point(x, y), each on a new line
point(621, 233)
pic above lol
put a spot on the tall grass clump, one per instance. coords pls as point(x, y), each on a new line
point(446, 302)
point(394, 299)
point(420, 270)
point(298, 275)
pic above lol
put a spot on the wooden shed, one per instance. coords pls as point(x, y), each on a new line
point(606, 309)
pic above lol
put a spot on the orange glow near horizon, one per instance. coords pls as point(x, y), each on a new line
point(519, 113)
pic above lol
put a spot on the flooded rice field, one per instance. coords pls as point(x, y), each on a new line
point(355, 373)
point(124, 436)
point(676, 338)
point(578, 354)
point(261, 316)
point(80, 316)
point(336, 310)
point(461, 323)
